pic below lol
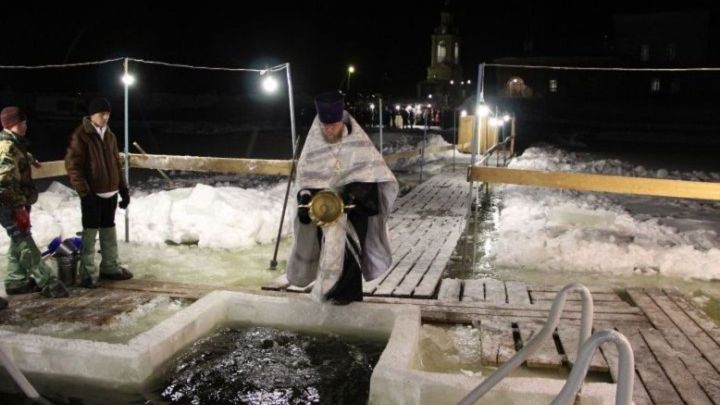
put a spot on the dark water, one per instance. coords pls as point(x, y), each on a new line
point(251, 365)
point(260, 365)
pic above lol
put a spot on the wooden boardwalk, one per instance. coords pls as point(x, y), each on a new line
point(425, 226)
point(677, 347)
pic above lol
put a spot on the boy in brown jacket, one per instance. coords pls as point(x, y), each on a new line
point(93, 165)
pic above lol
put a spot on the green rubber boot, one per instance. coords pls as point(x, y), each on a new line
point(110, 268)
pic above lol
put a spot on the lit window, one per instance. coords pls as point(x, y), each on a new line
point(655, 85)
point(645, 52)
point(553, 86)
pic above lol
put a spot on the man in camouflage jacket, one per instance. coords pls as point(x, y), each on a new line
point(26, 270)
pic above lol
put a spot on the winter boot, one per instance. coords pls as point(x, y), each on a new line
point(55, 289)
point(87, 259)
point(110, 268)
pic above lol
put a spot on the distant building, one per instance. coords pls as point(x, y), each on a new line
point(444, 83)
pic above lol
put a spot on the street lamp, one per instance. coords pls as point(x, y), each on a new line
point(463, 113)
point(482, 110)
point(128, 79)
point(350, 70)
point(269, 84)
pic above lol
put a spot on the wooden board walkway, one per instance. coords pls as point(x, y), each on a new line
point(95, 307)
point(425, 226)
point(677, 347)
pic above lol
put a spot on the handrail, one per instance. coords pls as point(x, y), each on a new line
point(586, 322)
point(17, 375)
point(626, 368)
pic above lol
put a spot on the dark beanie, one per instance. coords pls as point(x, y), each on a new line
point(330, 107)
point(98, 105)
point(11, 116)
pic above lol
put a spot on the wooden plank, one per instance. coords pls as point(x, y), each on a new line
point(599, 183)
point(701, 319)
point(474, 291)
point(494, 291)
point(701, 369)
point(542, 307)
point(408, 239)
point(669, 360)
point(704, 344)
point(211, 164)
point(556, 288)
point(465, 315)
point(406, 263)
point(569, 338)
point(498, 344)
point(428, 285)
point(517, 293)
point(657, 384)
point(422, 265)
point(597, 297)
point(54, 168)
point(450, 290)
point(547, 355)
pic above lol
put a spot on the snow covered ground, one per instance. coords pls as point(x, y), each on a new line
point(566, 231)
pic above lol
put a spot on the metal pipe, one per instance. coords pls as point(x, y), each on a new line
point(473, 146)
point(293, 168)
point(381, 126)
point(291, 101)
point(454, 137)
point(127, 151)
point(586, 322)
point(17, 375)
point(626, 368)
point(424, 144)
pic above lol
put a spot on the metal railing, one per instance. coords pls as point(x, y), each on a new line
point(626, 368)
point(18, 376)
point(586, 322)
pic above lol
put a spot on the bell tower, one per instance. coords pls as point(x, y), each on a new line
point(445, 52)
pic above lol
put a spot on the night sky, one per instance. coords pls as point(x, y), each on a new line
point(388, 42)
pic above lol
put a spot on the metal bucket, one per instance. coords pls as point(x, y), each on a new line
point(67, 268)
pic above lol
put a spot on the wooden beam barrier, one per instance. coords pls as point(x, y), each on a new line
point(268, 167)
point(56, 168)
point(211, 164)
point(599, 183)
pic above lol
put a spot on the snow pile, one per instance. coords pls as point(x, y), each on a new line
point(547, 229)
point(215, 217)
point(413, 163)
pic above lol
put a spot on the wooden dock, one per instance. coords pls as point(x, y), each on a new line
point(425, 226)
point(677, 347)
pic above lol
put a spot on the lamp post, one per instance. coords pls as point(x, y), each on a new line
point(127, 80)
point(350, 71)
point(270, 87)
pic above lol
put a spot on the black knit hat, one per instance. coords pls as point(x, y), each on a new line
point(330, 107)
point(98, 105)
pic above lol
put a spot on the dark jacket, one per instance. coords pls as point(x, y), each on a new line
point(16, 186)
point(93, 164)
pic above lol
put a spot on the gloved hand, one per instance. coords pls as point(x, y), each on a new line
point(22, 219)
point(347, 195)
point(304, 197)
point(124, 198)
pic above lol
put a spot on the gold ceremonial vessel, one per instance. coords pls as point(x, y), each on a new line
point(325, 207)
